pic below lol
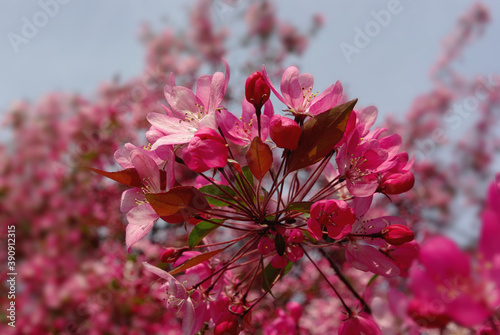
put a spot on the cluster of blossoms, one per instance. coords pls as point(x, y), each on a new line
point(270, 190)
point(75, 276)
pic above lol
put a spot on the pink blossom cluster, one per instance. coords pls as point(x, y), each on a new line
point(262, 202)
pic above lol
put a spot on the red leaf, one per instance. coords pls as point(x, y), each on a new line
point(319, 136)
point(195, 261)
point(128, 177)
point(259, 157)
point(183, 200)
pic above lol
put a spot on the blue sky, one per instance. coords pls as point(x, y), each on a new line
point(86, 42)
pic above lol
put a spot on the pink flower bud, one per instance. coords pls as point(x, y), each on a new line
point(398, 183)
point(359, 324)
point(257, 91)
point(397, 234)
point(171, 255)
point(206, 150)
point(166, 255)
point(285, 132)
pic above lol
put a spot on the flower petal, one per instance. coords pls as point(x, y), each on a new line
point(140, 222)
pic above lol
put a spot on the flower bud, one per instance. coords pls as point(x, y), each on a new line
point(398, 183)
point(206, 150)
point(397, 234)
point(171, 255)
point(166, 255)
point(257, 91)
point(284, 132)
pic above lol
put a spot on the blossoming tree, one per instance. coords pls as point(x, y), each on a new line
point(280, 210)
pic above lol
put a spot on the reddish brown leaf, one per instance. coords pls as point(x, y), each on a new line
point(319, 136)
point(183, 200)
point(128, 177)
point(195, 261)
point(259, 157)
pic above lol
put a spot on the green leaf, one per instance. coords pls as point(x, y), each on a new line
point(202, 230)
point(372, 279)
point(224, 192)
point(259, 158)
point(308, 236)
point(245, 179)
point(195, 261)
point(320, 135)
point(288, 267)
point(271, 275)
point(302, 206)
point(248, 174)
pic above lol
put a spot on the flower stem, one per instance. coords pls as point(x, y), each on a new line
point(346, 282)
point(348, 310)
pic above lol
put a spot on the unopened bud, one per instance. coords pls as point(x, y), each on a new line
point(165, 256)
point(284, 132)
point(171, 255)
point(397, 234)
point(257, 91)
point(398, 183)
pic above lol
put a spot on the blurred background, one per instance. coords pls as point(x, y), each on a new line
point(87, 42)
point(79, 77)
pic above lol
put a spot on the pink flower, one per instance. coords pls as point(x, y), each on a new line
point(206, 150)
point(140, 215)
point(298, 93)
point(444, 288)
point(291, 249)
point(190, 111)
point(285, 132)
point(362, 158)
point(403, 256)
point(360, 324)
point(226, 318)
point(368, 251)
point(283, 323)
point(242, 131)
point(190, 303)
point(334, 215)
point(399, 178)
